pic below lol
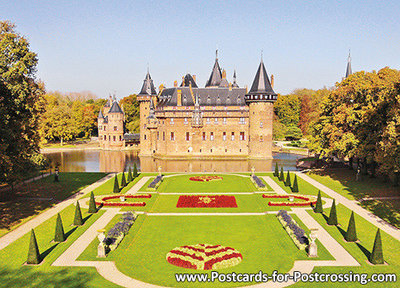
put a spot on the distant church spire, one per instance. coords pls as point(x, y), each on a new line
point(348, 69)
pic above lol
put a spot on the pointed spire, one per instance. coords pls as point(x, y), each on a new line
point(115, 108)
point(216, 74)
point(101, 116)
point(148, 86)
point(235, 85)
point(261, 86)
point(348, 69)
point(151, 112)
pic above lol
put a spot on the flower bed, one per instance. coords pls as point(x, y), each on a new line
point(205, 178)
point(155, 183)
point(206, 201)
point(118, 232)
point(292, 228)
point(258, 182)
point(204, 257)
point(104, 200)
point(307, 200)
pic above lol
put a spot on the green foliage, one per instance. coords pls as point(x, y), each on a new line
point(278, 129)
point(92, 204)
point(20, 106)
point(78, 221)
point(288, 182)
point(376, 256)
point(135, 172)
point(130, 177)
point(276, 173)
point(351, 233)
point(59, 235)
point(132, 113)
point(287, 107)
point(332, 220)
point(33, 252)
point(116, 185)
point(318, 206)
point(293, 133)
point(123, 180)
point(295, 187)
point(281, 176)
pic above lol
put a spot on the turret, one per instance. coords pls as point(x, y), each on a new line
point(116, 125)
point(260, 99)
point(216, 74)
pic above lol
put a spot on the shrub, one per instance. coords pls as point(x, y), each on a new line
point(295, 187)
point(281, 176)
point(293, 133)
point(33, 252)
point(318, 206)
point(118, 232)
point(116, 185)
point(258, 182)
point(155, 183)
point(351, 234)
point(276, 173)
point(288, 182)
point(130, 178)
point(123, 180)
point(293, 229)
point(92, 204)
point(59, 235)
point(332, 220)
point(377, 253)
point(135, 173)
point(78, 221)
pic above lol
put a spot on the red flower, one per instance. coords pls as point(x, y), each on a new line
point(206, 201)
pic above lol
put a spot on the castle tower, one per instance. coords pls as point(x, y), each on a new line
point(260, 99)
point(216, 74)
point(102, 128)
point(115, 119)
point(147, 96)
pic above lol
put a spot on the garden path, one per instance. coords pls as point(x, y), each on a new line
point(278, 189)
point(138, 185)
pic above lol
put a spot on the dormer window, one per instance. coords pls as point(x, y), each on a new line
point(208, 100)
point(228, 101)
point(184, 100)
point(218, 101)
point(238, 101)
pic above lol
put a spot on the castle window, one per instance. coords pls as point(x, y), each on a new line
point(261, 125)
point(208, 121)
point(212, 136)
point(239, 101)
point(184, 100)
point(233, 136)
point(158, 135)
point(163, 135)
point(228, 101)
point(105, 128)
point(224, 136)
point(242, 120)
point(261, 138)
point(204, 136)
point(145, 137)
point(172, 136)
point(120, 138)
point(187, 136)
point(114, 138)
point(208, 100)
point(100, 127)
point(218, 101)
point(224, 120)
point(115, 128)
point(242, 138)
point(109, 138)
point(172, 121)
point(185, 121)
point(216, 121)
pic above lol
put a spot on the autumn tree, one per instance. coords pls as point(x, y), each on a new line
point(132, 113)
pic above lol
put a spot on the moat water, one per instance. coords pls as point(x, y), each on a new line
point(117, 161)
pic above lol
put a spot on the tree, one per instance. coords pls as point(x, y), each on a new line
point(376, 256)
point(123, 181)
point(33, 252)
point(281, 176)
point(295, 187)
point(78, 221)
point(92, 204)
point(116, 185)
point(276, 173)
point(287, 107)
point(20, 106)
point(288, 182)
point(135, 172)
point(132, 113)
point(351, 234)
point(293, 133)
point(318, 206)
point(278, 129)
point(59, 235)
point(332, 220)
point(130, 178)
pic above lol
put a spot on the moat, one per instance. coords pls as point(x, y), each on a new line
point(117, 161)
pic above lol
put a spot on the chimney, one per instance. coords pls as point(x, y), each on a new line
point(175, 83)
point(223, 74)
point(179, 98)
point(183, 81)
point(272, 81)
point(230, 86)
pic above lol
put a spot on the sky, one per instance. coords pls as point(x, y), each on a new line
point(106, 46)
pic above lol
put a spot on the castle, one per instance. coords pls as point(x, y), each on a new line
point(221, 120)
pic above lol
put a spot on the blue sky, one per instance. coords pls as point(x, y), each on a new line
point(104, 46)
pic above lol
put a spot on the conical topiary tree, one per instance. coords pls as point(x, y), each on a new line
point(116, 185)
point(33, 252)
point(135, 173)
point(376, 256)
point(318, 206)
point(78, 221)
point(92, 204)
point(281, 176)
point(130, 178)
point(295, 187)
point(276, 173)
point(288, 182)
point(332, 220)
point(123, 180)
point(59, 235)
point(351, 234)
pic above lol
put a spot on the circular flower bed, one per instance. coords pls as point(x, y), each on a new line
point(205, 178)
point(104, 200)
point(307, 200)
point(204, 257)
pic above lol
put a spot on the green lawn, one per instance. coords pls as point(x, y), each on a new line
point(35, 197)
point(108, 187)
point(262, 241)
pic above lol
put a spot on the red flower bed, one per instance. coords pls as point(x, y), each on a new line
point(205, 178)
point(104, 200)
point(181, 263)
point(307, 200)
point(206, 201)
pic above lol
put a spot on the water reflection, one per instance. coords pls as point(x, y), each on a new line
point(116, 161)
